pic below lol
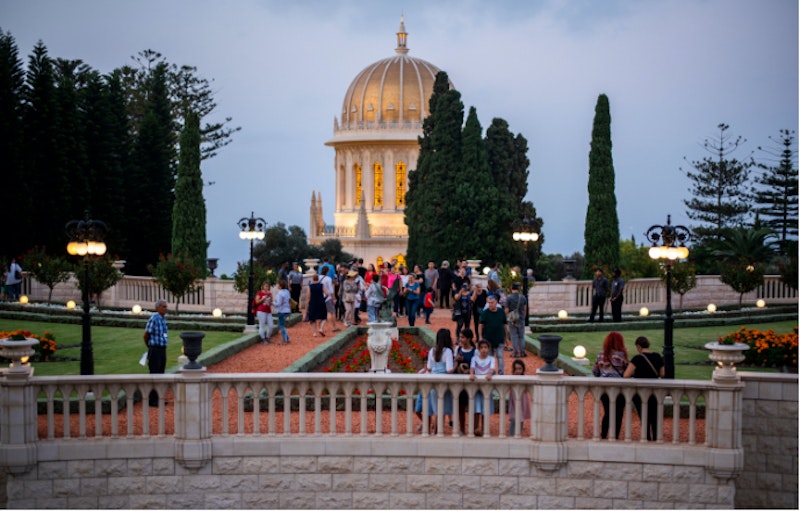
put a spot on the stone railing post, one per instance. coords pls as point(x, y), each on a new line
point(725, 458)
point(18, 423)
point(192, 419)
point(549, 417)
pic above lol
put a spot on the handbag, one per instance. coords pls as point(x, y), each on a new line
point(17, 275)
point(456, 312)
point(513, 316)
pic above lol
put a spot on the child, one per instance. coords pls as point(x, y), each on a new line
point(463, 358)
point(482, 365)
point(518, 369)
point(427, 305)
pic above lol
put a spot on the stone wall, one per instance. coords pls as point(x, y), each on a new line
point(769, 438)
point(320, 473)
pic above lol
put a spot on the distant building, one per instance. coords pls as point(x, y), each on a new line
point(376, 143)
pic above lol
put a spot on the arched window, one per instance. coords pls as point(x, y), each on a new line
point(358, 184)
point(378, 184)
point(400, 185)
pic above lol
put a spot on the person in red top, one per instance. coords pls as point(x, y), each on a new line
point(264, 312)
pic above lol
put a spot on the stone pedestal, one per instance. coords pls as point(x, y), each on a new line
point(379, 342)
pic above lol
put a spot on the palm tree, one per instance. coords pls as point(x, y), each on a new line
point(744, 253)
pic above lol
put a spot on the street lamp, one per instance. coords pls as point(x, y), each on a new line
point(86, 240)
point(668, 244)
point(251, 229)
point(525, 230)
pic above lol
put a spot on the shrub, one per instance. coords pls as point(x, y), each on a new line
point(767, 349)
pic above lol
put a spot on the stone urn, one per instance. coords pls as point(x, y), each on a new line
point(18, 351)
point(474, 265)
point(379, 342)
point(549, 352)
point(726, 357)
point(192, 347)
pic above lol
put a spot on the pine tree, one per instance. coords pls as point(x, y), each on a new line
point(12, 83)
point(189, 212)
point(601, 231)
point(776, 195)
point(150, 182)
point(720, 198)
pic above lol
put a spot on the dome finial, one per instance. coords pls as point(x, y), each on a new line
point(402, 35)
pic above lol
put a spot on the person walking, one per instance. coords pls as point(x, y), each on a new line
point(330, 298)
point(432, 278)
point(375, 298)
point(445, 282)
point(295, 285)
point(283, 308)
point(494, 322)
point(14, 280)
point(317, 313)
point(155, 338)
point(599, 294)
point(646, 365)
point(617, 296)
point(413, 294)
point(516, 310)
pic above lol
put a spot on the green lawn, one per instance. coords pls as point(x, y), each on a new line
point(688, 343)
point(116, 350)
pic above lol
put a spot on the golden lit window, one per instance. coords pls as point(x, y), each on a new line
point(400, 185)
point(378, 184)
point(358, 184)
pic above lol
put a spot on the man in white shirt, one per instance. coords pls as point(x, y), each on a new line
point(330, 296)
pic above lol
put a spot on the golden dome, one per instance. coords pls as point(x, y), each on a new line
point(390, 93)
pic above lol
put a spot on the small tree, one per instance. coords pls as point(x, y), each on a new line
point(102, 275)
point(742, 276)
point(178, 274)
point(47, 270)
point(683, 279)
point(260, 274)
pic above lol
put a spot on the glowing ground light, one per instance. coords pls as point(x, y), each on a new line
point(136, 309)
point(761, 304)
point(71, 304)
point(217, 313)
point(711, 308)
point(644, 311)
point(562, 314)
point(23, 299)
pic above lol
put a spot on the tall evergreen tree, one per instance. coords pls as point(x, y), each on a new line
point(509, 163)
point(189, 212)
point(601, 231)
point(474, 196)
point(12, 83)
point(46, 184)
point(719, 193)
point(151, 181)
point(419, 197)
point(776, 194)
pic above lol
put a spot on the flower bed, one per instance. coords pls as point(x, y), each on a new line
point(767, 349)
point(44, 350)
point(407, 355)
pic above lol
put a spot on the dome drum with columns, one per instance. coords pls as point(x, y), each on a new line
point(376, 144)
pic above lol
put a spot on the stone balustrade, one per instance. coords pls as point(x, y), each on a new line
point(574, 296)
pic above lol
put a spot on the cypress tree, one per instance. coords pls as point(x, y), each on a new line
point(189, 212)
point(420, 201)
point(601, 234)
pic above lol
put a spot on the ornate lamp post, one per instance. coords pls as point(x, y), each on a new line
point(525, 230)
point(251, 229)
point(669, 244)
point(86, 240)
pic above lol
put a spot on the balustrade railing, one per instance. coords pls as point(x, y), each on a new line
point(360, 404)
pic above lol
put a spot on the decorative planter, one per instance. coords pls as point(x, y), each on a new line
point(726, 356)
point(192, 347)
point(549, 352)
point(379, 342)
point(474, 265)
point(16, 351)
point(212, 263)
point(310, 265)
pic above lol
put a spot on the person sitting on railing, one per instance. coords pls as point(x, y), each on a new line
point(646, 365)
point(611, 363)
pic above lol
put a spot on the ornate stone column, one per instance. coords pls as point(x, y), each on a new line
point(18, 423)
point(192, 419)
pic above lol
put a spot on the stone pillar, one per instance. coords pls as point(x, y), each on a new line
point(549, 421)
point(192, 419)
point(725, 458)
point(18, 423)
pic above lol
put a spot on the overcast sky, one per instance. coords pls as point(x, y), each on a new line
point(673, 70)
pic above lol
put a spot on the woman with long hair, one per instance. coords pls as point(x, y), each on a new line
point(440, 361)
point(611, 363)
